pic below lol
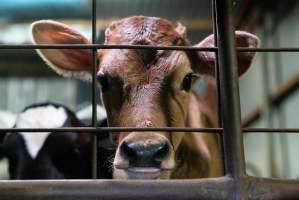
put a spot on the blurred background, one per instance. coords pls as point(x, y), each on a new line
point(269, 95)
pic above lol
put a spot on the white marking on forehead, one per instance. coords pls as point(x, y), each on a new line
point(39, 117)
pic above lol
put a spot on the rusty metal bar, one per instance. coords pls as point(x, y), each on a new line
point(230, 100)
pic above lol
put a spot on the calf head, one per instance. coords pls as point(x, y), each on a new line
point(47, 155)
point(140, 88)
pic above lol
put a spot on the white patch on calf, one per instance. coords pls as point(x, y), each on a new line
point(39, 117)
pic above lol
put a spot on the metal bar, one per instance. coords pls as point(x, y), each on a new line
point(286, 49)
point(231, 115)
point(271, 130)
point(94, 91)
point(129, 129)
point(219, 119)
point(216, 63)
point(262, 188)
point(154, 47)
point(111, 129)
point(105, 46)
point(212, 189)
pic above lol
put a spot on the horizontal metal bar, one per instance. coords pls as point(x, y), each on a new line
point(111, 129)
point(286, 49)
point(104, 46)
point(213, 189)
point(130, 129)
point(271, 130)
point(265, 188)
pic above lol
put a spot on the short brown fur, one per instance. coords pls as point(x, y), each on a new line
point(144, 88)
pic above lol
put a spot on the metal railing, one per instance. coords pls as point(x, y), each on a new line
point(233, 185)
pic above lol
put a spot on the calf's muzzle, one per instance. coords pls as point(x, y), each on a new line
point(146, 153)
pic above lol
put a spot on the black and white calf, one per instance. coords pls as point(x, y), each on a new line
point(48, 155)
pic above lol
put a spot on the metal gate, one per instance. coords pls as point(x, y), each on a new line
point(235, 184)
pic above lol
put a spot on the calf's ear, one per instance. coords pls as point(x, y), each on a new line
point(66, 62)
point(205, 61)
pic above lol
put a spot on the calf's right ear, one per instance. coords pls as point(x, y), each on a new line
point(66, 62)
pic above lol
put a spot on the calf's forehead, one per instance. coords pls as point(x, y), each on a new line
point(132, 67)
point(142, 30)
point(144, 65)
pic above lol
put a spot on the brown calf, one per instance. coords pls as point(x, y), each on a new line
point(149, 88)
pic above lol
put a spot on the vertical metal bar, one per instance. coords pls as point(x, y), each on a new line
point(94, 90)
point(218, 83)
point(230, 100)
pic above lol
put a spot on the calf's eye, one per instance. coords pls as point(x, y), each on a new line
point(187, 81)
point(103, 80)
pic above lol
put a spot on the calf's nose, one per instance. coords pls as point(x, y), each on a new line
point(145, 153)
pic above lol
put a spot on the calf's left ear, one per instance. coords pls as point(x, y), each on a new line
point(205, 61)
point(66, 62)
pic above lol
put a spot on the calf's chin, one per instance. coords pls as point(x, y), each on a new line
point(126, 174)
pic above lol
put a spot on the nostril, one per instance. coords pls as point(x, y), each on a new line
point(128, 152)
point(162, 152)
